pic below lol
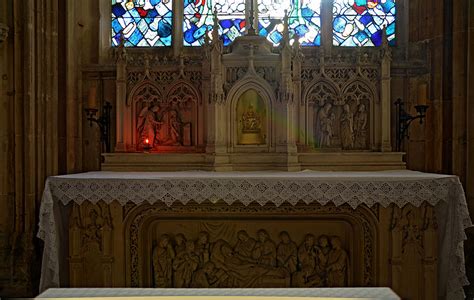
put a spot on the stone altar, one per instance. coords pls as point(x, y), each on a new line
point(226, 294)
point(400, 229)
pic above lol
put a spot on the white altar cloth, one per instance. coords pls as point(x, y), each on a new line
point(345, 293)
point(401, 187)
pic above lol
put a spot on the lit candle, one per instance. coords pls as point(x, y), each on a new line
point(147, 142)
point(422, 94)
point(92, 99)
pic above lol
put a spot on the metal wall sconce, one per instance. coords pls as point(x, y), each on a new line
point(103, 122)
point(405, 119)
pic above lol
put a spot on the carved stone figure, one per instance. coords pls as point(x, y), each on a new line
point(175, 128)
point(324, 125)
point(265, 250)
point(287, 253)
point(92, 233)
point(322, 254)
point(411, 234)
point(206, 277)
point(202, 248)
point(338, 263)
point(184, 266)
point(347, 128)
point(251, 122)
point(242, 274)
point(244, 246)
point(251, 131)
point(306, 261)
point(306, 255)
point(148, 125)
point(163, 256)
point(233, 268)
point(180, 243)
point(360, 127)
point(171, 130)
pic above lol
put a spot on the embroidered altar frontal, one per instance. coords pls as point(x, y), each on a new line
point(197, 229)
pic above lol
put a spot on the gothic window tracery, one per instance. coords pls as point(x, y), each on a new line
point(361, 22)
point(149, 23)
point(198, 18)
point(142, 23)
point(304, 20)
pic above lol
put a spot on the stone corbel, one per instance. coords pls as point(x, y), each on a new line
point(3, 32)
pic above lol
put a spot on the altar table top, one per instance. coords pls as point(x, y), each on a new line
point(400, 187)
point(222, 294)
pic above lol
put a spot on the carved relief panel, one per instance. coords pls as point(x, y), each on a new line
point(164, 123)
point(172, 251)
point(90, 237)
point(414, 244)
point(248, 260)
point(339, 120)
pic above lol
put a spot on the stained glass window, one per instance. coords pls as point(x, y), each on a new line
point(198, 15)
point(303, 20)
point(142, 23)
point(360, 22)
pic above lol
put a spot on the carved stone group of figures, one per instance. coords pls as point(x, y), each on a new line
point(352, 127)
point(180, 262)
point(161, 126)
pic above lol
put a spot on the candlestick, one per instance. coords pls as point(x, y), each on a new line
point(92, 99)
point(146, 145)
point(103, 122)
point(422, 94)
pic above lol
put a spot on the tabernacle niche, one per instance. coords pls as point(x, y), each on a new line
point(251, 119)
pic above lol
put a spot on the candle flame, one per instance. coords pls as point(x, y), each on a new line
point(147, 141)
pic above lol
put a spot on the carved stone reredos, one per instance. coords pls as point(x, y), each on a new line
point(241, 45)
point(292, 80)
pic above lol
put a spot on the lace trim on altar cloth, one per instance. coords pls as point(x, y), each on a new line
point(352, 188)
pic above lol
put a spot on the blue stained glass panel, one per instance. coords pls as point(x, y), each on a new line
point(142, 23)
point(304, 20)
point(360, 22)
point(198, 15)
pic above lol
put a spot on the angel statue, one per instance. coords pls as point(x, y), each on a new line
point(148, 125)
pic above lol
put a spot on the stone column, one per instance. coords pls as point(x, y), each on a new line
point(28, 133)
point(177, 40)
point(6, 145)
point(121, 98)
point(299, 117)
point(326, 26)
point(217, 122)
point(385, 95)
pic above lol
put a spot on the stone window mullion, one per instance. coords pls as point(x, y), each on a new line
point(178, 18)
point(326, 25)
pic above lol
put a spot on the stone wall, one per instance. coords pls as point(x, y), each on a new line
point(445, 144)
point(29, 135)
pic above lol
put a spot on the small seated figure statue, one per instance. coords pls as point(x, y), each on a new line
point(251, 121)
